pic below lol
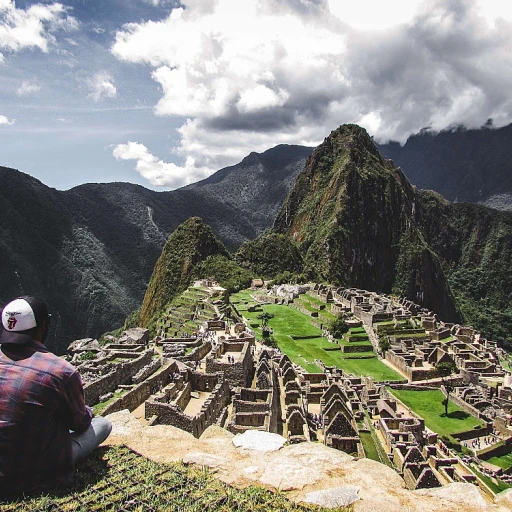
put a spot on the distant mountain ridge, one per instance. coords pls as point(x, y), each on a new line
point(257, 185)
point(90, 251)
point(462, 165)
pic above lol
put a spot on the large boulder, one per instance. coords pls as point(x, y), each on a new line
point(84, 345)
point(135, 336)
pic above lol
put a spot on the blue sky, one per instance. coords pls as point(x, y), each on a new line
point(163, 93)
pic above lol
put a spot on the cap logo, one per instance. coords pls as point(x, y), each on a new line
point(11, 323)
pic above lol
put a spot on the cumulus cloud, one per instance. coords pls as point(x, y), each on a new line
point(101, 86)
point(156, 171)
point(5, 121)
point(253, 74)
point(27, 87)
point(32, 27)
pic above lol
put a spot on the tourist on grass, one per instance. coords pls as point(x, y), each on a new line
point(45, 426)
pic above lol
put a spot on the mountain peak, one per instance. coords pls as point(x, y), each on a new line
point(189, 244)
point(353, 215)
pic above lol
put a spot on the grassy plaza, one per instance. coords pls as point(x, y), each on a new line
point(428, 404)
point(289, 325)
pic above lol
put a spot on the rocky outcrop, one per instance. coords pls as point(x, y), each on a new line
point(353, 214)
point(307, 471)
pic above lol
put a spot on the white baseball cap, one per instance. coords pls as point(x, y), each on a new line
point(20, 315)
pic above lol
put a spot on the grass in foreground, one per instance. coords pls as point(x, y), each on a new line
point(120, 479)
point(428, 404)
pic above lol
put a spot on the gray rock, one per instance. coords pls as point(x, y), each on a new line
point(259, 441)
point(504, 499)
point(135, 336)
point(84, 345)
point(467, 494)
point(335, 497)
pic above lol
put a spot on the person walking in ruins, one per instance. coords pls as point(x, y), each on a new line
point(45, 425)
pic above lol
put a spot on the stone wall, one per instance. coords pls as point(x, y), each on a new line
point(122, 373)
point(146, 371)
point(349, 349)
point(198, 353)
point(463, 404)
point(183, 397)
point(143, 391)
point(238, 373)
point(211, 411)
point(496, 451)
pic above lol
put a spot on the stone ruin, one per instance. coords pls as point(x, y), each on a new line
point(257, 408)
point(129, 371)
point(174, 403)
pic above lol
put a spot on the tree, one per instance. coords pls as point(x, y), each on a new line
point(338, 327)
point(265, 317)
point(444, 370)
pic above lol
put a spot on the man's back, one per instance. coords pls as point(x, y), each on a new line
point(41, 399)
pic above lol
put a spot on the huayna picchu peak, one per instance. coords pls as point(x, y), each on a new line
point(359, 222)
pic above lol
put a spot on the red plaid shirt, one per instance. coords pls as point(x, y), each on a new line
point(41, 400)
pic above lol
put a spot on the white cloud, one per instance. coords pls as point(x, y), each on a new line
point(32, 27)
point(253, 74)
point(5, 121)
point(156, 171)
point(27, 87)
point(101, 86)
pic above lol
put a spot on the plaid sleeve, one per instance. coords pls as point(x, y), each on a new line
point(77, 415)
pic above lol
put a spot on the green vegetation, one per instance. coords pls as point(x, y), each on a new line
point(270, 255)
point(494, 484)
point(191, 243)
point(227, 271)
point(504, 461)
point(370, 449)
point(98, 408)
point(87, 356)
point(445, 370)
point(184, 314)
point(119, 479)
point(338, 327)
point(429, 405)
point(297, 337)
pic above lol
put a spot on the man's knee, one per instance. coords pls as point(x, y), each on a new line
point(102, 428)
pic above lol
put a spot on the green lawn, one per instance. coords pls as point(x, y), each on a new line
point(369, 446)
point(505, 364)
point(504, 461)
point(495, 485)
point(428, 404)
point(289, 321)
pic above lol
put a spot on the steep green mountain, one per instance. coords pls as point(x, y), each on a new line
point(462, 165)
point(191, 243)
point(359, 222)
point(90, 251)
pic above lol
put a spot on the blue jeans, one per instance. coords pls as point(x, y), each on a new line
point(83, 444)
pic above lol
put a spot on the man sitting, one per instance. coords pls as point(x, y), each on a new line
point(41, 401)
